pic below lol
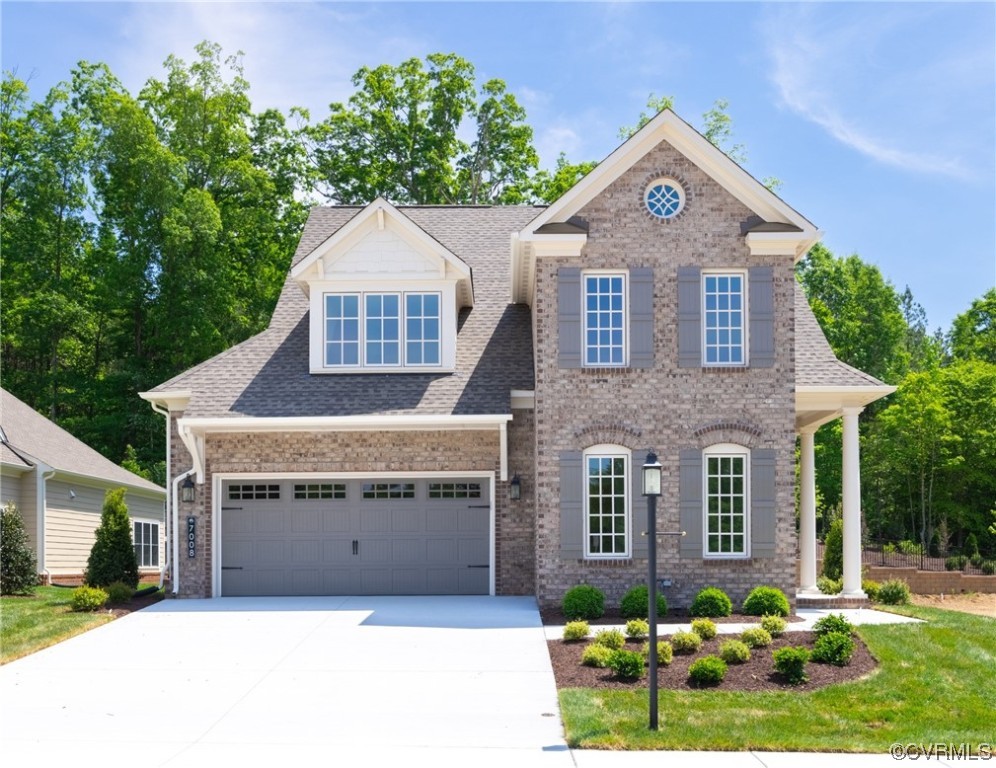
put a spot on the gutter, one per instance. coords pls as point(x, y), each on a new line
point(170, 503)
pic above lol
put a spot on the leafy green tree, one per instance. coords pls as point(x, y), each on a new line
point(112, 557)
point(18, 571)
point(547, 186)
point(833, 551)
point(973, 333)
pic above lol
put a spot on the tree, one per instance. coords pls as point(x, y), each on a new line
point(112, 557)
point(18, 570)
point(833, 551)
point(547, 186)
point(973, 333)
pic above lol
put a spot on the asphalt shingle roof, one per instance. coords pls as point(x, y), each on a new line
point(31, 434)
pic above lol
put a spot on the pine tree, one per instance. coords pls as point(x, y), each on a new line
point(113, 555)
point(18, 572)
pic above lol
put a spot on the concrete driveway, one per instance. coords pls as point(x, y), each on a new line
point(292, 681)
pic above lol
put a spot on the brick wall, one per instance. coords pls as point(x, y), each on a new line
point(933, 582)
point(663, 407)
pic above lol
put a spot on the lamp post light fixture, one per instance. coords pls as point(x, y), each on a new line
point(515, 488)
point(187, 489)
point(652, 489)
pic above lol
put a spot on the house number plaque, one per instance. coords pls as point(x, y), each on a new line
point(191, 536)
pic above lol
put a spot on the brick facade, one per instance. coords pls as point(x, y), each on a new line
point(663, 407)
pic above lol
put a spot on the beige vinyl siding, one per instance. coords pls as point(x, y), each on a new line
point(29, 507)
point(10, 487)
point(69, 537)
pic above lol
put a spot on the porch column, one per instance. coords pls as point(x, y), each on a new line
point(852, 504)
point(807, 514)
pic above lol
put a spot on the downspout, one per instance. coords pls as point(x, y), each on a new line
point(45, 473)
point(170, 504)
point(176, 524)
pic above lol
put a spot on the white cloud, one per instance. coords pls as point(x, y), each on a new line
point(555, 139)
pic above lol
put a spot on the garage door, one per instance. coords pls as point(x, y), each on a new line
point(327, 537)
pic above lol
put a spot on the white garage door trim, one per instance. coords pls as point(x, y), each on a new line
point(221, 477)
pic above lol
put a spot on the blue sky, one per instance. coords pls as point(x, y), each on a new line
point(879, 118)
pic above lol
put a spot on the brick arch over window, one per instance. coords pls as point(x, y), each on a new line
point(740, 432)
point(609, 434)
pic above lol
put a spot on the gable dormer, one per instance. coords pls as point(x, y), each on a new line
point(384, 297)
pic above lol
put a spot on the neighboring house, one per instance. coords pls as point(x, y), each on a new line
point(458, 399)
point(58, 484)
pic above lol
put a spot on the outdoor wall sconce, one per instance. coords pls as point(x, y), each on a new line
point(515, 488)
point(187, 489)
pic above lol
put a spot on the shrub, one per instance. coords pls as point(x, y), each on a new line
point(734, 652)
point(119, 592)
point(18, 571)
point(704, 628)
point(583, 602)
point(576, 630)
point(764, 601)
point(829, 586)
point(894, 592)
point(627, 664)
point(834, 622)
point(711, 602)
point(791, 663)
point(636, 603)
point(955, 563)
point(637, 629)
point(774, 625)
point(709, 670)
point(755, 637)
point(889, 548)
point(871, 588)
point(908, 547)
point(596, 655)
point(610, 638)
point(686, 642)
point(934, 547)
point(976, 560)
point(833, 550)
point(971, 548)
point(88, 598)
point(988, 567)
point(665, 653)
point(112, 557)
point(834, 648)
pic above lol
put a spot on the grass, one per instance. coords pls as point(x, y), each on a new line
point(30, 623)
point(934, 684)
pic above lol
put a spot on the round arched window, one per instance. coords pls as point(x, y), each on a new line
point(664, 198)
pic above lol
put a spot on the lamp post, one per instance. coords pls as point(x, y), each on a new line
point(652, 489)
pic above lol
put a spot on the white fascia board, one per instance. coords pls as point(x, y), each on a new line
point(794, 244)
point(527, 247)
point(172, 400)
point(835, 398)
point(523, 399)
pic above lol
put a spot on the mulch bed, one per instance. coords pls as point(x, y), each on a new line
point(553, 616)
point(756, 675)
point(135, 604)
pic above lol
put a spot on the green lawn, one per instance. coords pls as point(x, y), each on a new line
point(935, 684)
point(28, 624)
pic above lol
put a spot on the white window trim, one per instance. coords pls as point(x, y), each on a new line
point(745, 313)
point(609, 451)
point(624, 274)
point(159, 541)
point(445, 289)
point(725, 449)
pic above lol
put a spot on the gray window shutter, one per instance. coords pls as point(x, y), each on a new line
point(761, 296)
point(569, 317)
point(690, 502)
point(641, 317)
point(762, 502)
point(638, 505)
point(689, 318)
point(572, 482)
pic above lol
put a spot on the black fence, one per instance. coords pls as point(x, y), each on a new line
point(907, 554)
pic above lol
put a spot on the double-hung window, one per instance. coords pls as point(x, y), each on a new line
point(726, 499)
point(146, 542)
point(382, 330)
point(604, 319)
point(724, 325)
point(607, 531)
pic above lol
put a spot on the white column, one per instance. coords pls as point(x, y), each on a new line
point(807, 514)
point(852, 504)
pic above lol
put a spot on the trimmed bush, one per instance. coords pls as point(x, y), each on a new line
point(755, 637)
point(583, 602)
point(871, 588)
point(112, 557)
point(636, 603)
point(627, 664)
point(790, 663)
point(971, 548)
point(734, 652)
point(576, 630)
point(833, 648)
point(711, 602)
point(829, 586)
point(665, 653)
point(704, 628)
point(894, 592)
point(637, 629)
point(119, 592)
point(833, 550)
point(596, 655)
point(774, 625)
point(764, 601)
point(18, 567)
point(988, 567)
point(956, 563)
point(976, 561)
point(610, 638)
point(686, 642)
point(834, 622)
point(709, 670)
point(88, 598)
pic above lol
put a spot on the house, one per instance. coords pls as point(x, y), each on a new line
point(454, 400)
point(58, 484)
